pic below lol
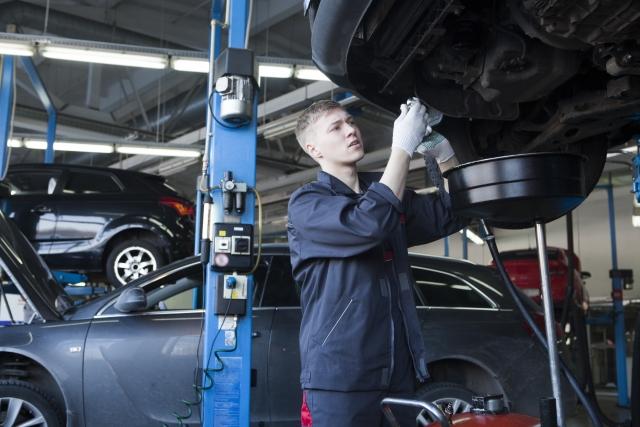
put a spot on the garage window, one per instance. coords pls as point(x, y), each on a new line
point(441, 289)
point(90, 183)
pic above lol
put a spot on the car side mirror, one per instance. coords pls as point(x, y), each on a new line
point(585, 275)
point(131, 300)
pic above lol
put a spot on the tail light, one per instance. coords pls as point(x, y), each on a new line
point(182, 208)
point(556, 268)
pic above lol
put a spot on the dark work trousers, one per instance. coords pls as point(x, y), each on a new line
point(326, 408)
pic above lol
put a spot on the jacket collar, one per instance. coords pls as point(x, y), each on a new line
point(365, 178)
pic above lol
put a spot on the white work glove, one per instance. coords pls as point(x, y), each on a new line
point(409, 127)
point(436, 145)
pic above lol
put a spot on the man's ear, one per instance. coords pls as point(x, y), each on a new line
point(313, 151)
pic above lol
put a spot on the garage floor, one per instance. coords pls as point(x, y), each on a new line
point(608, 403)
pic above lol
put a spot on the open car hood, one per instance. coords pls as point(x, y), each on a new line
point(23, 266)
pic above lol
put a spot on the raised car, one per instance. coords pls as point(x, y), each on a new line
point(122, 224)
point(510, 76)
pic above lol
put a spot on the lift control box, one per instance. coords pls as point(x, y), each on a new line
point(231, 294)
point(232, 247)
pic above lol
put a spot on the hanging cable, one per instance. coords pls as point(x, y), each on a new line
point(248, 31)
point(259, 201)
point(46, 18)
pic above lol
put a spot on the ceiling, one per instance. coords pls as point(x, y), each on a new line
point(164, 106)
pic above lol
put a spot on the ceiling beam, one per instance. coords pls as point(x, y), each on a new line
point(279, 105)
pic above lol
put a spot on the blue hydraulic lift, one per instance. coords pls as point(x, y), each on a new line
point(617, 315)
point(6, 109)
point(41, 90)
point(229, 169)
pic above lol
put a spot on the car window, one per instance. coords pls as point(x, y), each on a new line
point(279, 289)
point(441, 289)
point(13, 307)
point(176, 296)
point(90, 183)
point(32, 182)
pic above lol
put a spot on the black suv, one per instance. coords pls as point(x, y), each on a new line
point(88, 219)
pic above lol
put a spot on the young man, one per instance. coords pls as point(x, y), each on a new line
point(360, 338)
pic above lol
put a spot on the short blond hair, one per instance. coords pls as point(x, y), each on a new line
point(310, 115)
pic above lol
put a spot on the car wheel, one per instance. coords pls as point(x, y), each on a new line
point(451, 398)
point(131, 259)
point(22, 403)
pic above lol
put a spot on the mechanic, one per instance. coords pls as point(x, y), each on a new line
point(360, 338)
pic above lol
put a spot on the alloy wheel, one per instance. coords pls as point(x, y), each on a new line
point(134, 262)
point(16, 412)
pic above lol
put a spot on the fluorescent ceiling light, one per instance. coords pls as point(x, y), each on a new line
point(106, 147)
point(103, 56)
point(473, 237)
point(280, 130)
point(81, 147)
point(614, 154)
point(35, 144)
point(309, 73)
point(193, 65)
point(631, 149)
point(280, 71)
point(152, 151)
point(16, 48)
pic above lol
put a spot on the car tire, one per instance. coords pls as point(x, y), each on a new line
point(30, 402)
point(451, 398)
point(131, 259)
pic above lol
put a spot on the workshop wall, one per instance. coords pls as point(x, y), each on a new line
point(591, 239)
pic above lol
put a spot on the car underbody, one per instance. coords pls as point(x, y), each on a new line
point(511, 76)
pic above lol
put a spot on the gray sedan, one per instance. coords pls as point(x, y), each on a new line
point(104, 363)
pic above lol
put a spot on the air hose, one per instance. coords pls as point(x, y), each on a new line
point(586, 402)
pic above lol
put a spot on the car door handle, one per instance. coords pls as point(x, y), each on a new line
point(41, 209)
point(255, 334)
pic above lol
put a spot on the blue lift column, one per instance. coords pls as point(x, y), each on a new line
point(231, 155)
point(41, 90)
point(6, 109)
point(618, 308)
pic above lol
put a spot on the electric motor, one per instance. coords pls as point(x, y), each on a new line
point(236, 94)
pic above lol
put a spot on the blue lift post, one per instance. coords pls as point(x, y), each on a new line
point(617, 317)
point(446, 246)
point(6, 109)
point(635, 186)
point(41, 90)
point(465, 244)
point(618, 308)
point(226, 398)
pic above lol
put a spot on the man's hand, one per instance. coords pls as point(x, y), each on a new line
point(409, 127)
point(437, 146)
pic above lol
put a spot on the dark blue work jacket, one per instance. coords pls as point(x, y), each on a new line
point(349, 256)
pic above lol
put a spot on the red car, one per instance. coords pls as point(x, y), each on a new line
point(524, 269)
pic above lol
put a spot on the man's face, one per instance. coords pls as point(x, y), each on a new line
point(334, 139)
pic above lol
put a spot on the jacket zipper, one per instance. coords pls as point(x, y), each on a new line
point(337, 321)
point(406, 328)
point(393, 333)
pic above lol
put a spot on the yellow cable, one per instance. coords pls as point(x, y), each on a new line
point(255, 267)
